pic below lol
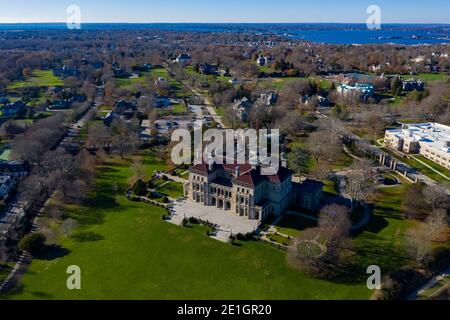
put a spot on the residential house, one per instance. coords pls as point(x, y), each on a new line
point(65, 72)
point(413, 84)
point(14, 109)
point(207, 69)
point(16, 168)
point(242, 108)
point(363, 90)
point(7, 183)
point(184, 59)
point(268, 98)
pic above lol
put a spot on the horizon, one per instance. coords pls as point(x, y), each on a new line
point(205, 12)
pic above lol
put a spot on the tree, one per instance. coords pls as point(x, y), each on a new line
point(318, 145)
point(415, 203)
point(419, 246)
point(68, 226)
point(359, 183)
point(137, 167)
point(437, 224)
point(140, 188)
point(33, 243)
point(298, 160)
point(436, 197)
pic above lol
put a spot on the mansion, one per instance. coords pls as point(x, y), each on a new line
point(244, 191)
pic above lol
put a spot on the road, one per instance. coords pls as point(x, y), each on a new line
point(208, 105)
point(14, 213)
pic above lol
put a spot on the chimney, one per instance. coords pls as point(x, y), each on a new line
point(238, 171)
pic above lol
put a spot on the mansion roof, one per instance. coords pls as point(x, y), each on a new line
point(248, 175)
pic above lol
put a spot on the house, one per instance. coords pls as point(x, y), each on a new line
point(110, 117)
point(65, 72)
point(244, 191)
point(263, 61)
point(4, 100)
point(207, 69)
point(308, 194)
point(7, 183)
point(242, 108)
point(323, 101)
point(16, 169)
point(268, 98)
point(363, 90)
point(183, 58)
point(123, 106)
point(160, 101)
point(14, 109)
point(160, 80)
point(413, 84)
point(146, 135)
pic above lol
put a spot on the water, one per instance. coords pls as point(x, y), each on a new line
point(406, 34)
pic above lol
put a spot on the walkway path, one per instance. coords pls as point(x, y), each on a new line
point(430, 167)
point(416, 294)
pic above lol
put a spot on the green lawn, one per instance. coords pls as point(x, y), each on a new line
point(40, 78)
point(383, 241)
point(430, 77)
point(128, 83)
point(126, 251)
point(292, 225)
point(428, 172)
point(5, 155)
point(172, 189)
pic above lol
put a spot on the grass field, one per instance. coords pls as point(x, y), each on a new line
point(126, 251)
point(430, 77)
point(172, 189)
point(40, 78)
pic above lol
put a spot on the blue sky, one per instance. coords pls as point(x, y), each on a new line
point(393, 11)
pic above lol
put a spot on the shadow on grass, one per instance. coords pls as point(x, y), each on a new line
point(52, 252)
point(88, 236)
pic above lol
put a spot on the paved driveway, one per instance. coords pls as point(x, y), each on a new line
point(225, 219)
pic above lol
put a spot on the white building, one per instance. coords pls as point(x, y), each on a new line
point(431, 140)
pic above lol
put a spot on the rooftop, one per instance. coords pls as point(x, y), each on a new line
point(434, 134)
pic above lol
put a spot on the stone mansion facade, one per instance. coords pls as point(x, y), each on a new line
point(243, 191)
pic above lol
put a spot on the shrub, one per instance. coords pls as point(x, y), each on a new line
point(140, 188)
point(33, 243)
point(165, 200)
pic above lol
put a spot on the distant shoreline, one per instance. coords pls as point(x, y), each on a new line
point(329, 33)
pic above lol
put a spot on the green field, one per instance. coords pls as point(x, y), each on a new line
point(431, 77)
point(171, 189)
point(40, 78)
point(5, 154)
point(126, 251)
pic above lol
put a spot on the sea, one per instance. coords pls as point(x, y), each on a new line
point(331, 33)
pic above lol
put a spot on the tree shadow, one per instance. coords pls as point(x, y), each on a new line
point(88, 236)
point(52, 252)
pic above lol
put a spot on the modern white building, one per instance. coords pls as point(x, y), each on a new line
point(431, 140)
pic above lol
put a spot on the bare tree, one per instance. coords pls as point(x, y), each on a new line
point(437, 224)
point(359, 182)
point(419, 246)
point(68, 226)
point(436, 196)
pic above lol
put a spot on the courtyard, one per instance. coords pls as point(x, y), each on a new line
point(228, 222)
